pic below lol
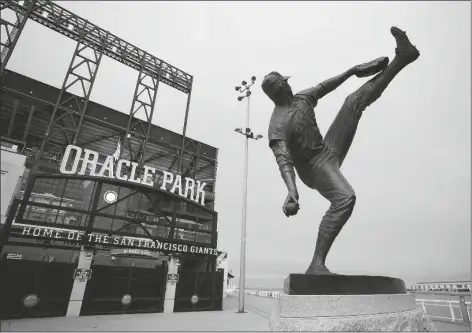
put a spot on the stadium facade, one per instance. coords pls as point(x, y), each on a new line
point(102, 212)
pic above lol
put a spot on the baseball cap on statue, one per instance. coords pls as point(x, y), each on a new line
point(270, 81)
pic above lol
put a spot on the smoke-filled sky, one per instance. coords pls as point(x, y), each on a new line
point(410, 160)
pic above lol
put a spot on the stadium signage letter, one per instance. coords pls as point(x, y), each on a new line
point(192, 189)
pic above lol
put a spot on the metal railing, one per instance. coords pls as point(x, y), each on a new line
point(443, 310)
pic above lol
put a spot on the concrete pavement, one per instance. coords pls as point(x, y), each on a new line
point(206, 321)
point(256, 319)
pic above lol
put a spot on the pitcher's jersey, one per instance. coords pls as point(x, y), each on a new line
point(296, 124)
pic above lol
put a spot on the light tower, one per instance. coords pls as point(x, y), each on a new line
point(245, 88)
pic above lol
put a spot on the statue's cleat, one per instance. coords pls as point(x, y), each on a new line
point(371, 67)
point(404, 47)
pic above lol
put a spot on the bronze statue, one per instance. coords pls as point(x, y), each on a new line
point(297, 142)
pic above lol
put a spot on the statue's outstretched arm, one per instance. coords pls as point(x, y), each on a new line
point(329, 85)
point(325, 87)
point(285, 162)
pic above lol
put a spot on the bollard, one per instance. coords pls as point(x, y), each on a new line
point(464, 312)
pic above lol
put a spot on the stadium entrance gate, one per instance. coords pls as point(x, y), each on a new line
point(116, 288)
point(33, 288)
point(199, 291)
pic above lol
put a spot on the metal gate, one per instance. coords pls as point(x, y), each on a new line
point(113, 290)
point(199, 291)
point(32, 289)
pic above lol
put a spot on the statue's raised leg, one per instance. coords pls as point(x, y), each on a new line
point(341, 133)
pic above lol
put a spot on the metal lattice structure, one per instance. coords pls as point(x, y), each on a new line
point(68, 113)
point(12, 30)
point(71, 25)
point(70, 119)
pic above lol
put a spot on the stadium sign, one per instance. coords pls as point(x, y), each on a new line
point(112, 166)
point(101, 239)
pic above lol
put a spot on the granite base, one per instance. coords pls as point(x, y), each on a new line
point(359, 313)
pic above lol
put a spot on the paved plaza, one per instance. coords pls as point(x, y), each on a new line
point(256, 319)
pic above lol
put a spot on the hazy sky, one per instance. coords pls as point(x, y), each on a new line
point(409, 163)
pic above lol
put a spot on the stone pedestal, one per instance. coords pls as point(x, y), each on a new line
point(382, 310)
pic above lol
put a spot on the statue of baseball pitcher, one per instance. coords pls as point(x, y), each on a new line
point(297, 143)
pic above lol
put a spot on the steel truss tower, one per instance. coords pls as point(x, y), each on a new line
point(92, 43)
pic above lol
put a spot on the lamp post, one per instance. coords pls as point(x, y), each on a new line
point(245, 87)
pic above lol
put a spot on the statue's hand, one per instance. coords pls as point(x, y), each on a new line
point(291, 205)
